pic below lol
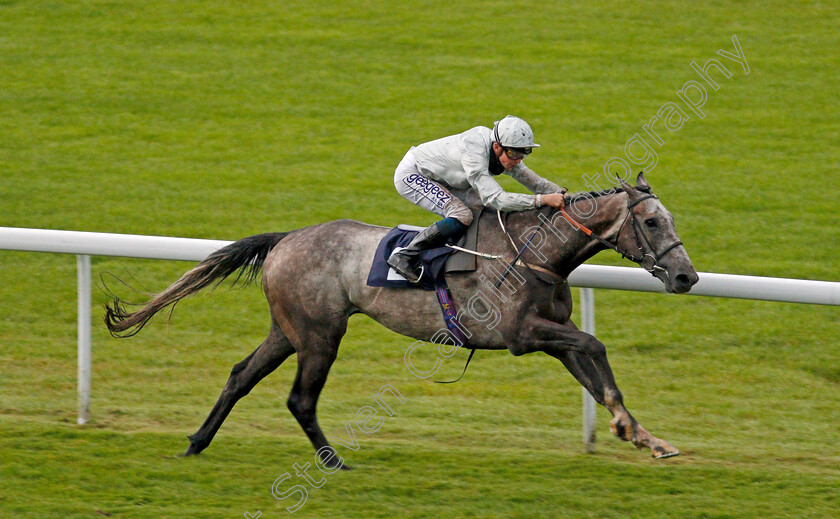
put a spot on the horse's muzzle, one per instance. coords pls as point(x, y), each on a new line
point(684, 282)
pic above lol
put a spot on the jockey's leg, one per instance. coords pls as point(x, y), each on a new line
point(434, 197)
point(407, 261)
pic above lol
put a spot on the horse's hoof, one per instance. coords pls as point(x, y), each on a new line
point(660, 452)
point(192, 450)
point(189, 452)
point(333, 464)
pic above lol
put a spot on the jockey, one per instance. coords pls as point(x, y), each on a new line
point(467, 160)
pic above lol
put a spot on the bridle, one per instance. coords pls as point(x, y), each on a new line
point(648, 258)
point(641, 258)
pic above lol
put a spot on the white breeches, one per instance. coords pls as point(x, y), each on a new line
point(427, 193)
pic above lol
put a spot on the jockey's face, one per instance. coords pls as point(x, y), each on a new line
point(507, 162)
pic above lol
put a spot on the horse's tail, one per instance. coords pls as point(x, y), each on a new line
point(246, 256)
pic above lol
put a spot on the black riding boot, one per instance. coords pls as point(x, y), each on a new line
point(407, 261)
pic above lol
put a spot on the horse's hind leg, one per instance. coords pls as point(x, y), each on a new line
point(314, 362)
point(243, 377)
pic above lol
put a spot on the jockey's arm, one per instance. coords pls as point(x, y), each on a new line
point(535, 183)
point(474, 162)
point(550, 193)
point(491, 193)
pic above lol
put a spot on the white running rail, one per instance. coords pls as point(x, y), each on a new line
point(86, 244)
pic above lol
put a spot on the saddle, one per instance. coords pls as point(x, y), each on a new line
point(436, 262)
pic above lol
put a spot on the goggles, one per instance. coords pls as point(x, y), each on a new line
point(517, 153)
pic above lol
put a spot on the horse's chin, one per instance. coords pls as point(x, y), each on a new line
point(680, 289)
point(666, 280)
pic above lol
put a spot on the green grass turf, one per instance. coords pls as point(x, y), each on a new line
point(225, 119)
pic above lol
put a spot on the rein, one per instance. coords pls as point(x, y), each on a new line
point(651, 266)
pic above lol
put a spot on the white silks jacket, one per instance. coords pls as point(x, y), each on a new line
point(462, 161)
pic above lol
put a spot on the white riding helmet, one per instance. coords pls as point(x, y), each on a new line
point(513, 132)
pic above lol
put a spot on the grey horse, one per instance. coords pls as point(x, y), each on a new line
point(326, 266)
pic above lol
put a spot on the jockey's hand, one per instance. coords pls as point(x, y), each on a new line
point(556, 200)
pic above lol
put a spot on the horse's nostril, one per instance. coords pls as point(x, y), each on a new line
point(683, 280)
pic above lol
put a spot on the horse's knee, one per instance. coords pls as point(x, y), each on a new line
point(594, 348)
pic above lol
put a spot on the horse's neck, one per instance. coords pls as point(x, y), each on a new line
point(564, 247)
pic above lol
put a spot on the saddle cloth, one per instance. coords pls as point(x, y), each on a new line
point(436, 262)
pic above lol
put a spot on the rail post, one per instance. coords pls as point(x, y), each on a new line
point(83, 334)
point(587, 317)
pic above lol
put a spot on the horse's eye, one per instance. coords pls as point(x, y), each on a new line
point(651, 223)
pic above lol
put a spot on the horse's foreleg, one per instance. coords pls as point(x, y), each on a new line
point(243, 377)
point(583, 369)
point(586, 358)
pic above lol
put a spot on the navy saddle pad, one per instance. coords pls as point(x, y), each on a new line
point(433, 260)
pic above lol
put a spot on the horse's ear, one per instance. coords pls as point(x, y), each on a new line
point(641, 182)
point(625, 186)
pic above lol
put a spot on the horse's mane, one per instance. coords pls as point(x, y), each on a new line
point(572, 197)
point(471, 199)
point(597, 194)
